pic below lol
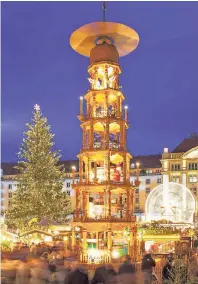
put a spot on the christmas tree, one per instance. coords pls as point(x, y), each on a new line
point(179, 273)
point(39, 194)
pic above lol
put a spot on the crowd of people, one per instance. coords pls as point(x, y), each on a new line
point(43, 264)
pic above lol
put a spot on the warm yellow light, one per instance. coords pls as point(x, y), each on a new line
point(73, 168)
point(116, 159)
point(100, 70)
point(161, 237)
point(48, 239)
point(56, 232)
point(137, 164)
point(36, 241)
point(95, 252)
point(81, 98)
point(115, 254)
point(110, 71)
point(65, 238)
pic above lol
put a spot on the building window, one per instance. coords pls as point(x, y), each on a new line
point(2, 203)
point(192, 179)
point(10, 194)
point(158, 171)
point(68, 192)
point(2, 195)
point(193, 166)
point(148, 181)
point(9, 186)
point(9, 203)
point(137, 190)
point(137, 200)
point(2, 212)
point(175, 167)
point(159, 180)
point(148, 190)
point(194, 190)
point(175, 179)
point(149, 172)
point(137, 209)
point(68, 184)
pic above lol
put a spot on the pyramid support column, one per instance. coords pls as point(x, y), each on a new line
point(124, 135)
point(128, 168)
point(127, 201)
point(106, 105)
point(84, 137)
point(95, 170)
point(131, 201)
point(121, 136)
point(107, 135)
point(133, 244)
point(97, 240)
point(124, 167)
point(94, 106)
point(105, 202)
point(88, 169)
point(84, 257)
point(73, 239)
point(91, 134)
point(106, 81)
point(81, 169)
point(118, 105)
point(109, 203)
point(109, 244)
point(77, 202)
point(107, 167)
point(84, 195)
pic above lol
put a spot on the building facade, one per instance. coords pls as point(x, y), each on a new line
point(168, 172)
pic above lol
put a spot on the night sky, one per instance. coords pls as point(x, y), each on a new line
point(159, 79)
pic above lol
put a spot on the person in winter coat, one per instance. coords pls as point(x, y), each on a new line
point(78, 276)
point(111, 274)
point(127, 273)
point(100, 275)
point(40, 273)
point(23, 274)
point(166, 271)
point(147, 266)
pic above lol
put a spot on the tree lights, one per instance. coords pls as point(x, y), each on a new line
point(39, 193)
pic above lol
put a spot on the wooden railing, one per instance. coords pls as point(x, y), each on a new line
point(111, 182)
point(103, 146)
point(104, 219)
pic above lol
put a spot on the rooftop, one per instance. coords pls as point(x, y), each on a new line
point(187, 144)
point(9, 168)
point(151, 161)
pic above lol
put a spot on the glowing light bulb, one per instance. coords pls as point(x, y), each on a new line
point(115, 254)
point(73, 168)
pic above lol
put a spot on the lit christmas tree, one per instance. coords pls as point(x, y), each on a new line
point(39, 194)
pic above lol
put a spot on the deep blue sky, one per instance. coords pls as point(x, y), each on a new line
point(159, 79)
